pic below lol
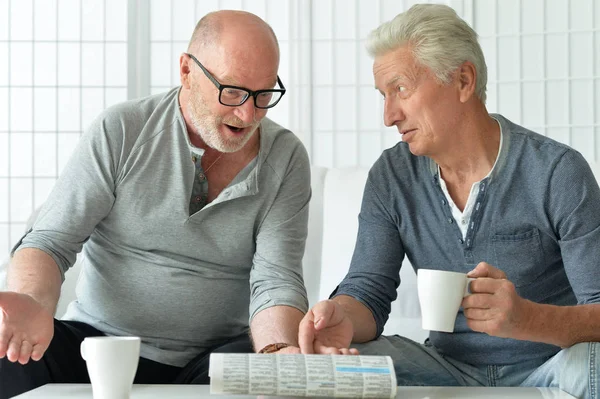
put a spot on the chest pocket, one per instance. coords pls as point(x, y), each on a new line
point(520, 256)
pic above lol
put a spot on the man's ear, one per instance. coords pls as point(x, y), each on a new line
point(184, 70)
point(467, 78)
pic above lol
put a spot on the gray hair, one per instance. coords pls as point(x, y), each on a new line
point(439, 38)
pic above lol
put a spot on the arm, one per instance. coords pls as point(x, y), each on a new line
point(27, 309)
point(81, 197)
point(577, 324)
point(33, 272)
point(374, 273)
point(572, 200)
point(361, 304)
point(276, 324)
point(501, 312)
point(278, 299)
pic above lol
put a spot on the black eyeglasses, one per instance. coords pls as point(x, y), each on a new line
point(234, 96)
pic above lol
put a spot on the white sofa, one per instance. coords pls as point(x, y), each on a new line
point(333, 223)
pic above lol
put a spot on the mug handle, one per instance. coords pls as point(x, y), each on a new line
point(82, 348)
point(467, 290)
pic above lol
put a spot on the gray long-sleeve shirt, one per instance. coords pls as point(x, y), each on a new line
point(536, 218)
point(182, 283)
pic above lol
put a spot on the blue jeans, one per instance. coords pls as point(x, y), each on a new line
point(575, 370)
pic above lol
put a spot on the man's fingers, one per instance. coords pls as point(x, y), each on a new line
point(25, 355)
point(5, 336)
point(323, 314)
point(487, 285)
point(14, 349)
point(328, 350)
point(476, 314)
point(484, 269)
point(331, 350)
point(349, 351)
point(306, 333)
point(37, 352)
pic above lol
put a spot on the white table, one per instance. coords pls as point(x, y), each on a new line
point(84, 391)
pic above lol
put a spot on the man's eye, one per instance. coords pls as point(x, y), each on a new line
point(402, 89)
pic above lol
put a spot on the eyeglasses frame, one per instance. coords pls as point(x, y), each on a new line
point(251, 93)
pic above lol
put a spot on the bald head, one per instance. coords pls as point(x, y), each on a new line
point(231, 30)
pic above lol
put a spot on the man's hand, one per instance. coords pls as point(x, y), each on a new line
point(326, 329)
point(494, 307)
point(26, 328)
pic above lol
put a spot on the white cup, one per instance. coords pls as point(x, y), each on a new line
point(112, 363)
point(440, 295)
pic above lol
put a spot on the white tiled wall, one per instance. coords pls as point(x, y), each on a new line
point(543, 66)
point(62, 61)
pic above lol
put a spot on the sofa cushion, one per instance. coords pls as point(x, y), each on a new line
point(311, 263)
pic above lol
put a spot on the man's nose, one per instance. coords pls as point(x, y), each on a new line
point(392, 112)
point(247, 111)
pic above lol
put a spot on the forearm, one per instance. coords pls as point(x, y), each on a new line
point(275, 324)
point(563, 326)
point(363, 322)
point(34, 272)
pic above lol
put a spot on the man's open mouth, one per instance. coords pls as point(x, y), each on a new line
point(234, 129)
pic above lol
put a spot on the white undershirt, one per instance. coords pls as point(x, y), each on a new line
point(462, 218)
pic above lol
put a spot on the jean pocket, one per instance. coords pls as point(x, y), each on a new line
point(520, 256)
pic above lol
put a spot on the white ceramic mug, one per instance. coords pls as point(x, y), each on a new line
point(440, 295)
point(112, 363)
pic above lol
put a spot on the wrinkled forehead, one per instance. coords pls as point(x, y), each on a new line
point(244, 70)
point(395, 64)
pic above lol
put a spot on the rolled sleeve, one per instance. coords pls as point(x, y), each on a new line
point(81, 197)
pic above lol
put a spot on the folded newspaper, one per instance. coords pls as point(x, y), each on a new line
point(302, 375)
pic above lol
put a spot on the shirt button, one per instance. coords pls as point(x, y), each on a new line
point(197, 198)
point(201, 176)
point(463, 221)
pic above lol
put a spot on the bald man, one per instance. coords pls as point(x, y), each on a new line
point(191, 209)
